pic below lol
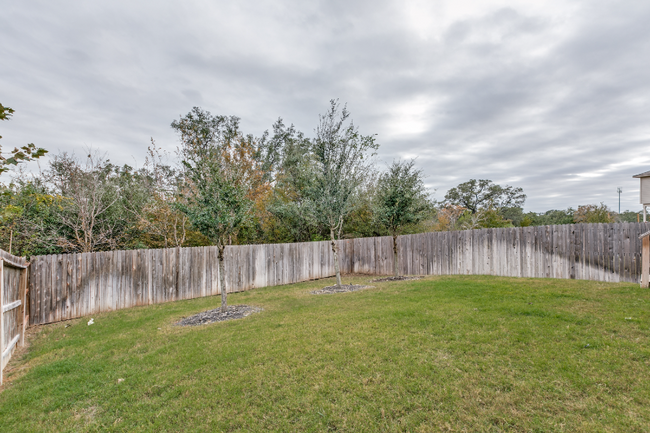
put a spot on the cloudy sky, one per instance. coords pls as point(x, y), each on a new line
point(552, 96)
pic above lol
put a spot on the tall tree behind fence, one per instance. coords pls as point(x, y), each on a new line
point(74, 285)
point(13, 285)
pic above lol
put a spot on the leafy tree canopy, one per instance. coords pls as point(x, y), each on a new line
point(629, 217)
point(288, 154)
point(483, 193)
point(341, 161)
point(217, 201)
point(401, 197)
point(593, 213)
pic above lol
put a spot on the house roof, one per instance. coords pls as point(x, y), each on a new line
point(644, 174)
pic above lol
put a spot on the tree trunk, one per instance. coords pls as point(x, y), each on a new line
point(335, 250)
point(222, 278)
point(395, 261)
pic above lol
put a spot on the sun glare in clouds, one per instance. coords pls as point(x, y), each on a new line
point(410, 118)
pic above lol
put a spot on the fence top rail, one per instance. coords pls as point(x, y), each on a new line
point(13, 264)
point(13, 261)
point(499, 231)
point(146, 250)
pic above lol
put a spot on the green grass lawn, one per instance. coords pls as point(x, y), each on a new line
point(440, 354)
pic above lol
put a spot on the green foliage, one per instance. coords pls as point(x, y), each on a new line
point(6, 113)
point(160, 224)
point(293, 213)
point(90, 204)
point(28, 216)
point(484, 218)
point(360, 223)
point(401, 198)
point(629, 217)
point(25, 153)
point(593, 213)
point(551, 217)
point(584, 214)
point(233, 188)
point(526, 221)
point(514, 214)
point(478, 194)
point(341, 161)
point(98, 202)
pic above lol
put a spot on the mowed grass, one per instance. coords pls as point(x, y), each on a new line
point(461, 353)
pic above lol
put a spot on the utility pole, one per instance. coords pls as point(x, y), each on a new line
point(619, 190)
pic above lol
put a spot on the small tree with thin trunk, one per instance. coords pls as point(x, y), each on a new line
point(217, 204)
point(341, 161)
point(401, 200)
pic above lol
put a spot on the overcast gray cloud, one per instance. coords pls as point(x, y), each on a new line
point(553, 97)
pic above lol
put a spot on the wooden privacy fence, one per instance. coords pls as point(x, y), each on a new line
point(75, 285)
point(66, 286)
point(13, 285)
point(602, 252)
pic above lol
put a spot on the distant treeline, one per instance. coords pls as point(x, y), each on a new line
point(82, 204)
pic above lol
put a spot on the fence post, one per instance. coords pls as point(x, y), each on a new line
point(22, 295)
point(2, 318)
point(645, 262)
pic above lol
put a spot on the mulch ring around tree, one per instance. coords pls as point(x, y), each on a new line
point(343, 288)
point(400, 278)
point(217, 315)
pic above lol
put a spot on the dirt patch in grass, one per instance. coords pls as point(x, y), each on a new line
point(343, 288)
point(232, 312)
point(17, 367)
point(400, 278)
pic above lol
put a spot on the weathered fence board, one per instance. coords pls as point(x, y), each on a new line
point(68, 286)
point(13, 303)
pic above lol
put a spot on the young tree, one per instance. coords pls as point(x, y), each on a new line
point(476, 194)
point(341, 162)
point(401, 199)
point(218, 202)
